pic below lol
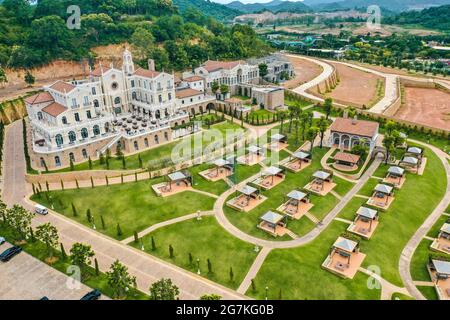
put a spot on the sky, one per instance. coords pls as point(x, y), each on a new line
point(247, 1)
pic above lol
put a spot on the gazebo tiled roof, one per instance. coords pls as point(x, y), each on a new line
point(442, 267)
point(445, 228)
point(414, 150)
point(345, 244)
point(177, 176)
point(410, 160)
point(296, 195)
point(396, 170)
point(384, 188)
point(346, 157)
point(247, 190)
point(253, 149)
point(271, 171)
point(221, 162)
point(367, 212)
point(321, 175)
point(301, 155)
point(272, 217)
point(277, 137)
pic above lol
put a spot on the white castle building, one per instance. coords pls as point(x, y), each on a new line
point(130, 108)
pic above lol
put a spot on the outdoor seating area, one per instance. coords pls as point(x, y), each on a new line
point(413, 160)
point(273, 223)
point(382, 196)
point(322, 183)
point(222, 169)
point(440, 274)
point(297, 204)
point(270, 177)
point(442, 242)
point(365, 223)
point(247, 198)
point(395, 176)
point(298, 161)
point(278, 142)
point(254, 156)
point(344, 258)
point(175, 182)
point(345, 161)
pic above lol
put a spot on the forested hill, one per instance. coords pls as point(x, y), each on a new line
point(209, 8)
point(33, 35)
point(435, 18)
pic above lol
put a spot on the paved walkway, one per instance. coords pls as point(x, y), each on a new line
point(411, 246)
point(251, 274)
point(167, 223)
point(387, 288)
point(145, 267)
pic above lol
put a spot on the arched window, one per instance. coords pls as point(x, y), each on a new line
point(96, 130)
point(156, 139)
point(201, 109)
point(134, 96)
point(146, 142)
point(117, 100)
point(157, 114)
point(84, 133)
point(59, 140)
point(72, 157)
point(96, 104)
point(39, 115)
point(57, 161)
point(107, 127)
point(136, 146)
point(166, 136)
point(193, 111)
point(84, 153)
point(64, 120)
point(72, 136)
point(42, 162)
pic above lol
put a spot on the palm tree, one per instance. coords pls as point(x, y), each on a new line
point(322, 124)
point(311, 135)
point(388, 143)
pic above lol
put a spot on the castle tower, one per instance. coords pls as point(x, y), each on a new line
point(127, 62)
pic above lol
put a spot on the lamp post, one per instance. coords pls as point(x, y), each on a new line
point(198, 266)
point(267, 288)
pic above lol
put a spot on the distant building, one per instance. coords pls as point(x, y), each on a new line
point(231, 73)
point(267, 97)
point(278, 67)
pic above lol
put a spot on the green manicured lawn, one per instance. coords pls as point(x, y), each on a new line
point(343, 186)
point(38, 250)
point(413, 203)
point(434, 231)
point(201, 183)
point(350, 209)
point(367, 189)
point(298, 273)
point(419, 261)
point(400, 296)
point(429, 293)
point(243, 172)
point(204, 239)
point(276, 196)
point(161, 152)
point(292, 101)
point(133, 205)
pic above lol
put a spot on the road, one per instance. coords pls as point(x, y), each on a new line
point(146, 268)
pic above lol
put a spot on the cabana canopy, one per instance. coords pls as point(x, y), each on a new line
point(367, 212)
point(442, 267)
point(345, 244)
point(445, 228)
point(221, 162)
point(296, 195)
point(253, 149)
point(346, 157)
point(277, 137)
point(414, 150)
point(410, 160)
point(383, 188)
point(272, 217)
point(247, 190)
point(396, 170)
point(272, 171)
point(321, 175)
point(175, 176)
point(301, 155)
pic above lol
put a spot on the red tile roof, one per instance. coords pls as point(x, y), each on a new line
point(41, 97)
point(346, 157)
point(62, 86)
point(97, 72)
point(212, 65)
point(356, 127)
point(54, 109)
point(184, 93)
point(146, 73)
point(194, 78)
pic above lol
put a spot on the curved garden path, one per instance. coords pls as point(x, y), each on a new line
point(411, 246)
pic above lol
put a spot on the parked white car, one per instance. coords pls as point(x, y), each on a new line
point(40, 209)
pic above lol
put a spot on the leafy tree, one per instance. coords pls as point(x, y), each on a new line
point(80, 255)
point(3, 78)
point(119, 279)
point(322, 124)
point(262, 70)
point(327, 107)
point(164, 289)
point(29, 78)
point(48, 234)
point(311, 135)
point(388, 143)
point(20, 220)
point(215, 86)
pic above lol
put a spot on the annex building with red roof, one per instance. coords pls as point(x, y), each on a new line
point(345, 133)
